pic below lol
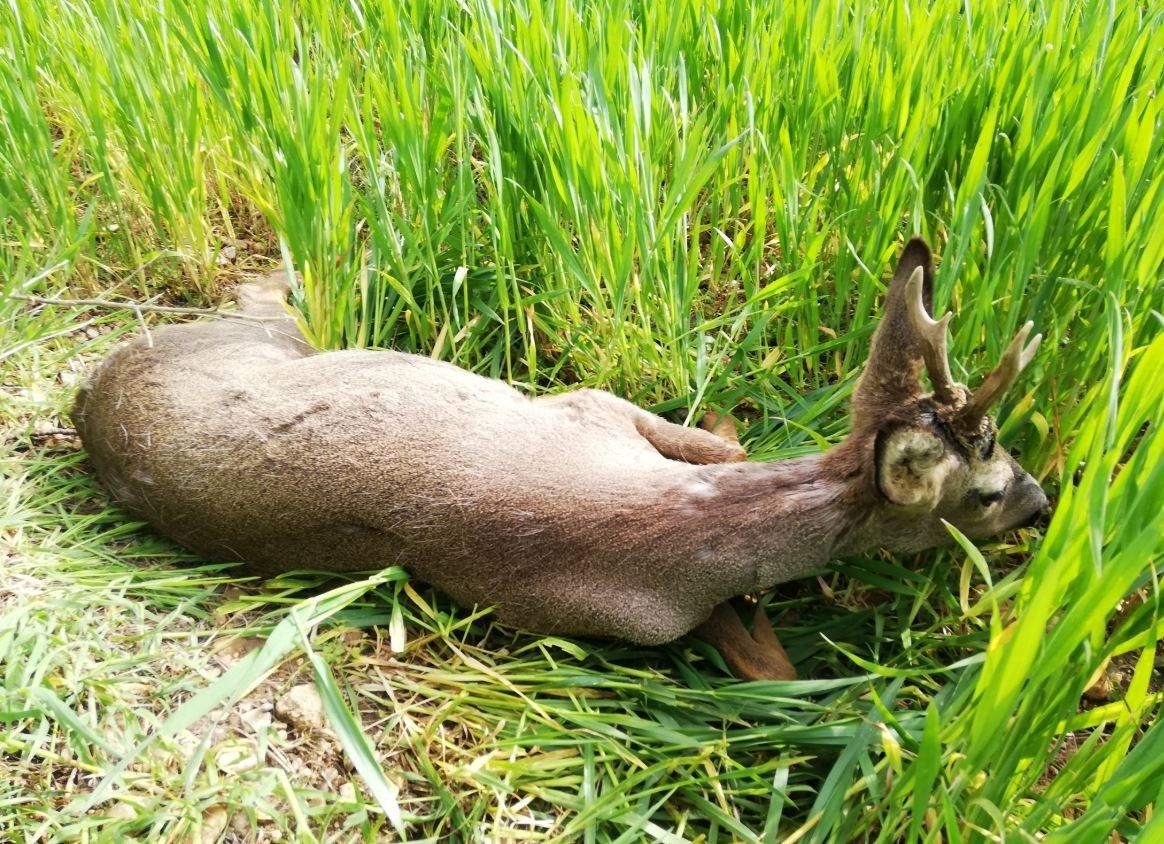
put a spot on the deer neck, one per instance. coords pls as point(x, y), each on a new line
point(783, 520)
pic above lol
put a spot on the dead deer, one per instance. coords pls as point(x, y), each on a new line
point(577, 513)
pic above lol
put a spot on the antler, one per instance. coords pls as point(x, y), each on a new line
point(932, 335)
point(1014, 360)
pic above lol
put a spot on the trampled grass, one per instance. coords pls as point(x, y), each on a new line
point(693, 205)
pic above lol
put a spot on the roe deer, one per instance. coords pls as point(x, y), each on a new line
point(576, 513)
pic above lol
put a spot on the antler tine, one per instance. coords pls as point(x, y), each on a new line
point(932, 334)
point(1014, 360)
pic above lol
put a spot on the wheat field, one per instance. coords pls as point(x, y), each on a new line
point(693, 204)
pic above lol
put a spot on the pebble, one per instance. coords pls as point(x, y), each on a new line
point(301, 707)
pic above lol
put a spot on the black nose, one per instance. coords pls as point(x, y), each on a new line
point(1040, 518)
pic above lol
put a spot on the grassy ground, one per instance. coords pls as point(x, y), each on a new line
point(692, 204)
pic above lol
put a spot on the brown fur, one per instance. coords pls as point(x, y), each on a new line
point(577, 513)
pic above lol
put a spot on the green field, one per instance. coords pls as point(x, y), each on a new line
point(693, 204)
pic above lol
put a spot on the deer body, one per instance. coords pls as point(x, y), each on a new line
point(577, 513)
point(557, 510)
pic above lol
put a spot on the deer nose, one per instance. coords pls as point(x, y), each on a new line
point(1041, 513)
point(1035, 501)
point(1039, 518)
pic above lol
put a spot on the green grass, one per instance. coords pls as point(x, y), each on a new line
point(690, 204)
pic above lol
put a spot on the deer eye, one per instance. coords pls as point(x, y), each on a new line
point(989, 498)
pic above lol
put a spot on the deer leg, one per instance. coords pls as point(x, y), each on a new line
point(764, 636)
point(691, 445)
point(715, 441)
point(750, 656)
point(264, 299)
point(265, 295)
point(723, 425)
point(675, 442)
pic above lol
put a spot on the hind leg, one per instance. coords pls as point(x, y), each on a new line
point(263, 301)
point(723, 425)
point(265, 295)
point(675, 442)
point(691, 445)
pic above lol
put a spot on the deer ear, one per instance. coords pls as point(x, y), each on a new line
point(911, 466)
point(893, 374)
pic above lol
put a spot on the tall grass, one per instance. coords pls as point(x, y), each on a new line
point(692, 204)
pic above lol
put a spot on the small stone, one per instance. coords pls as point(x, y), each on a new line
point(240, 825)
point(120, 811)
point(213, 823)
point(186, 741)
point(1100, 690)
point(353, 637)
point(236, 757)
point(258, 719)
point(231, 650)
point(301, 707)
point(347, 792)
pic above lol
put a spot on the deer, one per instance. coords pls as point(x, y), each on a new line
point(577, 513)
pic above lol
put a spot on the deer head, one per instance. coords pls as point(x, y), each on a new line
point(933, 456)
